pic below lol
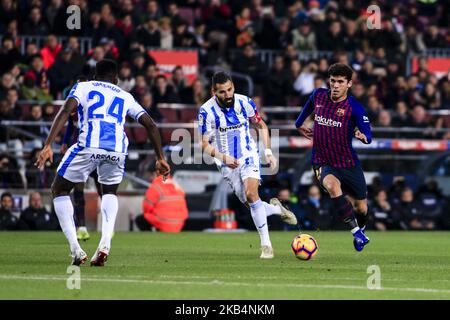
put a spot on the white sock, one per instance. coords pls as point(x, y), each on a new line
point(64, 212)
point(260, 219)
point(271, 209)
point(109, 208)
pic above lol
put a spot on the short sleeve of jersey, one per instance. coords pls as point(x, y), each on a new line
point(250, 108)
point(204, 123)
point(76, 92)
point(135, 110)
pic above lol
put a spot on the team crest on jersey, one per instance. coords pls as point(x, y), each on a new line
point(201, 120)
point(318, 106)
point(340, 112)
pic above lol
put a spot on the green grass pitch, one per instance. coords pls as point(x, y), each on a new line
point(196, 265)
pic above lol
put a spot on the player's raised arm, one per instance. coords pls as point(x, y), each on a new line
point(162, 167)
point(61, 118)
point(306, 111)
point(363, 133)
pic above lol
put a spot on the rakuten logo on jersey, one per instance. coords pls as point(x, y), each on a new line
point(327, 122)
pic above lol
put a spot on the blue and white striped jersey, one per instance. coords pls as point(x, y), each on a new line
point(228, 128)
point(102, 109)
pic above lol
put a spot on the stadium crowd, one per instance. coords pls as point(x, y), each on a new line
point(226, 34)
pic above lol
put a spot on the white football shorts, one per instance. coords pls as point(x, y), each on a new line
point(78, 162)
point(249, 167)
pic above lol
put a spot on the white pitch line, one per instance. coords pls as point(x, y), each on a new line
point(293, 278)
point(219, 282)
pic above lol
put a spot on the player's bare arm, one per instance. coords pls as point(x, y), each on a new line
point(264, 131)
point(162, 167)
point(229, 161)
point(61, 118)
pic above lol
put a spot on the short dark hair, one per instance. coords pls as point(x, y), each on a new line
point(220, 77)
point(6, 194)
point(106, 68)
point(340, 69)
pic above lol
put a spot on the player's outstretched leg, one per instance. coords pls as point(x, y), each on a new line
point(79, 204)
point(64, 211)
point(345, 211)
point(109, 208)
point(259, 216)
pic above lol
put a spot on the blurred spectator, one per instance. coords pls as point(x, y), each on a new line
point(277, 85)
point(244, 27)
point(9, 54)
point(332, 40)
point(12, 96)
point(182, 37)
point(77, 59)
point(412, 40)
point(432, 203)
point(7, 83)
point(381, 212)
point(433, 39)
point(174, 14)
point(50, 51)
point(138, 63)
point(35, 24)
point(126, 79)
point(201, 41)
point(384, 119)
point(429, 97)
point(304, 38)
point(38, 73)
point(31, 50)
point(163, 92)
point(195, 93)
point(10, 176)
point(7, 220)
point(52, 11)
point(36, 217)
point(36, 179)
point(146, 102)
point(316, 212)
point(164, 205)
point(41, 131)
point(153, 11)
point(148, 34)
point(140, 88)
point(374, 107)
point(62, 72)
point(165, 29)
point(8, 13)
point(97, 54)
point(29, 90)
point(249, 63)
point(409, 212)
point(179, 81)
point(402, 117)
point(304, 84)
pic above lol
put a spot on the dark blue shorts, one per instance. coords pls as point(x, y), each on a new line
point(352, 180)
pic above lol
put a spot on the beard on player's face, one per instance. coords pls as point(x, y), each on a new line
point(226, 102)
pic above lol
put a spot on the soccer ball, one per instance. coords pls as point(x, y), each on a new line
point(304, 246)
